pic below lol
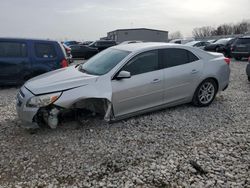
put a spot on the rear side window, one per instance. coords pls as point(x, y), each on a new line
point(143, 63)
point(111, 43)
point(191, 57)
point(44, 50)
point(243, 41)
point(13, 49)
point(174, 57)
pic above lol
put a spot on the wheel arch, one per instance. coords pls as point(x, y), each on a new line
point(100, 105)
point(210, 77)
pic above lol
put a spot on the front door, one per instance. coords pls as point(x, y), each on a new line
point(45, 58)
point(143, 90)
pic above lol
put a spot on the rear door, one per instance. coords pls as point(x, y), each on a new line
point(14, 61)
point(182, 70)
point(143, 90)
point(45, 57)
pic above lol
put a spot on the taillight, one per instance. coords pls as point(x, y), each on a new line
point(64, 63)
point(68, 50)
point(227, 60)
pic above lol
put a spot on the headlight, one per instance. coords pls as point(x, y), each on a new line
point(43, 100)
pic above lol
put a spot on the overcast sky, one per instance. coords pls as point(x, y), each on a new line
point(92, 19)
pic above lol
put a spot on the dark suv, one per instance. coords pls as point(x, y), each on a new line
point(22, 59)
point(86, 52)
point(102, 44)
point(241, 48)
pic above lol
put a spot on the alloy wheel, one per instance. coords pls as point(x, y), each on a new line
point(206, 93)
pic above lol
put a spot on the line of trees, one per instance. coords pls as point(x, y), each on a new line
point(224, 29)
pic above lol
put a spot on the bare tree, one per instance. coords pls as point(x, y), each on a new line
point(223, 29)
point(175, 35)
point(202, 32)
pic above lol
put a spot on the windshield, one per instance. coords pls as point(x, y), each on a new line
point(103, 62)
point(222, 41)
point(92, 44)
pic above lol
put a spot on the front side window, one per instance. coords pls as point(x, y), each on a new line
point(43, 50)
point(143, 63)
point(13, 49)
point(174, 57)
point(76, 47)
point(198, 44)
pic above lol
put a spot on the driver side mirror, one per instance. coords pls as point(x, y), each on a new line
point(123, 75)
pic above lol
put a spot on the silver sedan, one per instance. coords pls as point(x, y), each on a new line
point(124, 81)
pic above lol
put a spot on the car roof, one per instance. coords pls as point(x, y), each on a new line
point(245, 37)
point(193, 42)
point(145, 46)
point(104, 41)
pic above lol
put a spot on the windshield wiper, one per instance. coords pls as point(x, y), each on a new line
point(84, 70)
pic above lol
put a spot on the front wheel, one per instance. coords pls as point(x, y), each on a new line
point(249, 78)
point(205, 93)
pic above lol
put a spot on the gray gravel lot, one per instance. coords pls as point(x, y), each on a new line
point(182, 146)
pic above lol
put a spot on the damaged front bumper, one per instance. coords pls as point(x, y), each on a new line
point(26, 114)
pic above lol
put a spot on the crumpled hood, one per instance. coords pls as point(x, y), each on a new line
point(59, 80)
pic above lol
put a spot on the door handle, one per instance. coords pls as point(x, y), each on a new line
point(156, 81)
point(194, 71)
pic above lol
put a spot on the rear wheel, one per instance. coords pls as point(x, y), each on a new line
point(249, 78)
point(205, 93)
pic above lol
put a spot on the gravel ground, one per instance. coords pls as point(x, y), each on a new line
point(182, 146)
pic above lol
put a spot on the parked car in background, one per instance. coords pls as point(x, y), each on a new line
point(102, 44)
point(131, 42)
point(86, 52)
point(22, 59)
point(181, 41)
point(124, 81)
point(248, 69)
point(216, 46)
point(226, 49)
point(68, 52)
point(82, 51)
point(198, 44)
point(86, 43)
point(241, 48)
point(212, 41)
point(69, 43)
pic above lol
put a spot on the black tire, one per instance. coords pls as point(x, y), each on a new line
point(217, 49)
point(238, 58)
point(248, 78)
point(196, 98)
